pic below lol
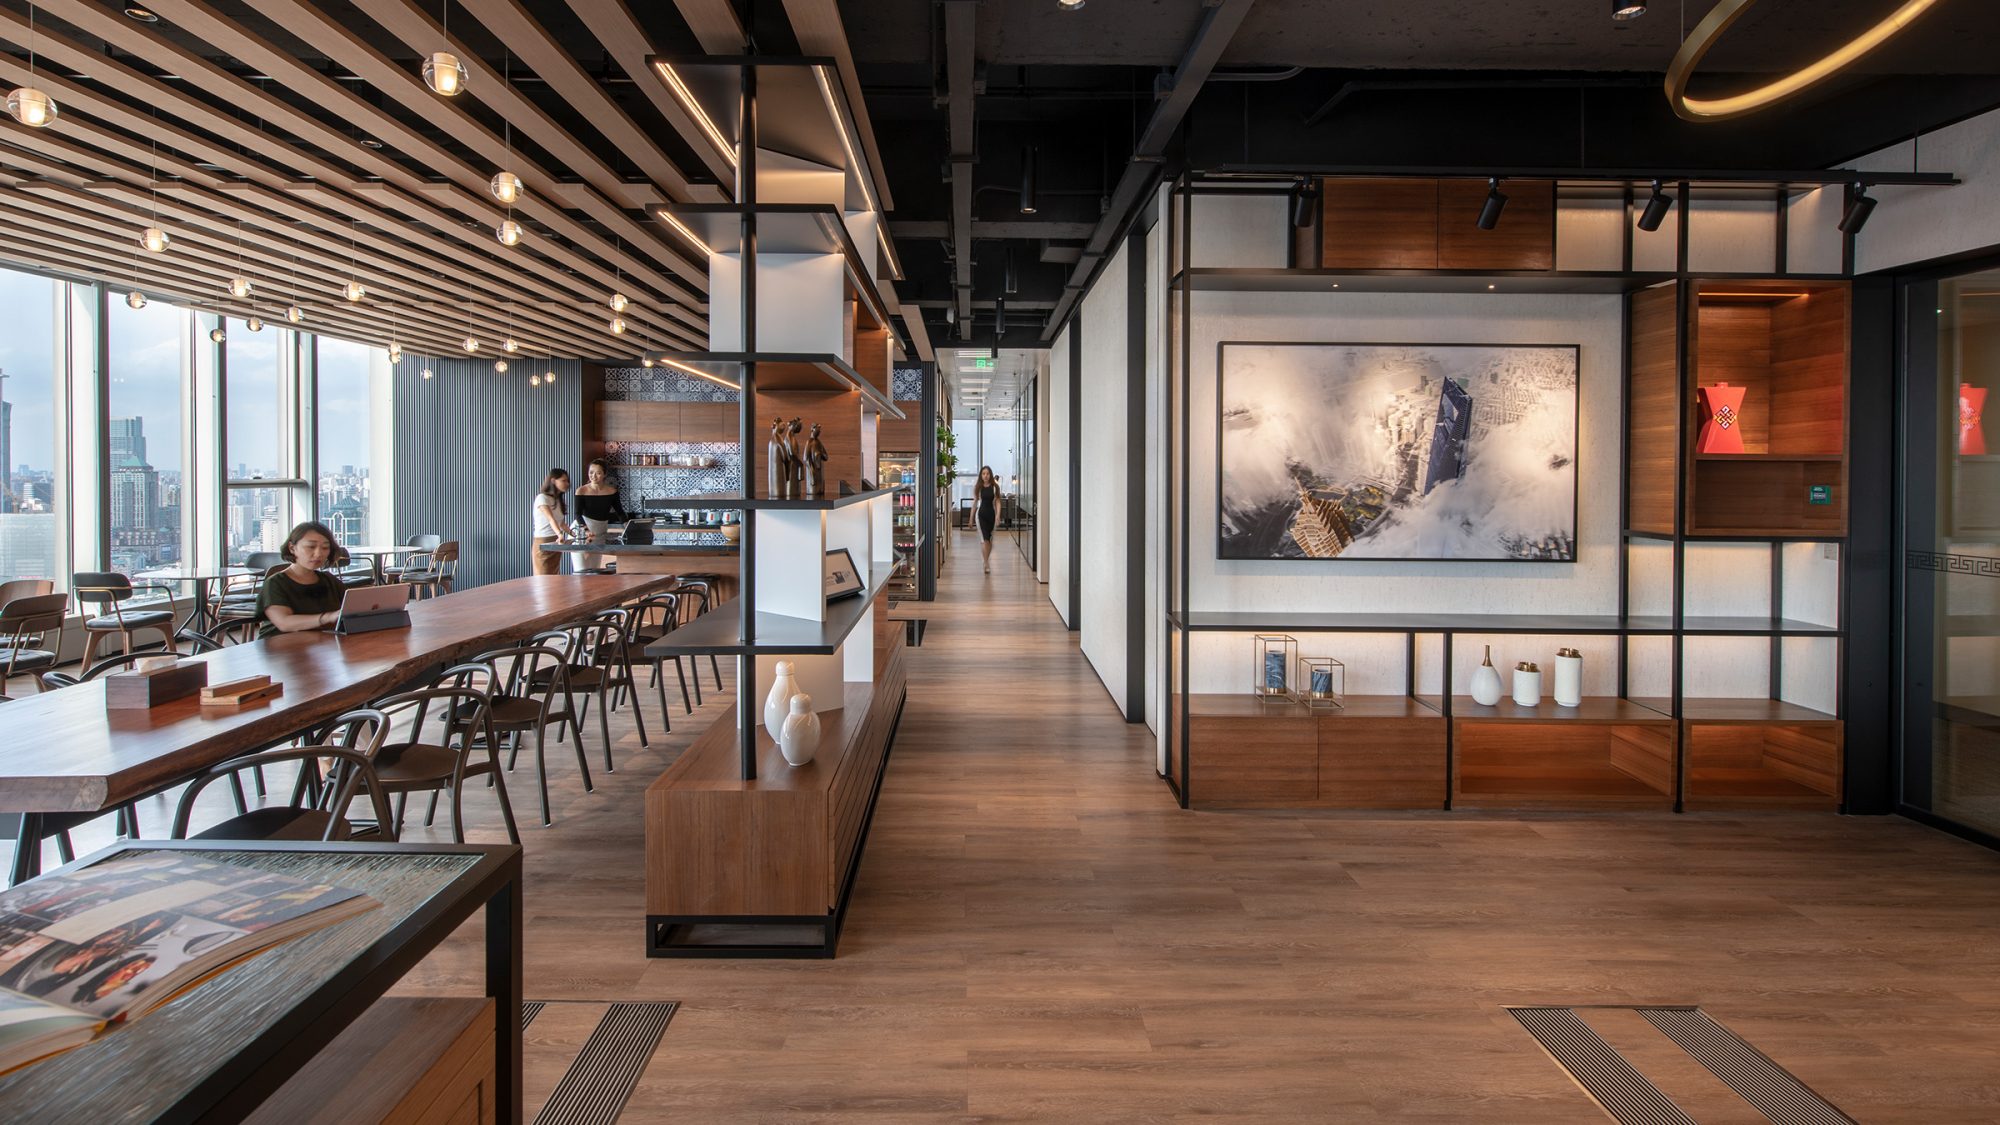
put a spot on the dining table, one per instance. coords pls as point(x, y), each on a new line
point(66, 753)
point(199, 619)
point(376, 553)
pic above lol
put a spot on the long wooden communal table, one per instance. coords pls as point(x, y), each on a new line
point(65, 752)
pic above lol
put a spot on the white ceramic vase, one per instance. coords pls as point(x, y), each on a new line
point(1569, 678)
point(1486, 681)
point(1527, 685)
point(801, 738)
point(777, 704)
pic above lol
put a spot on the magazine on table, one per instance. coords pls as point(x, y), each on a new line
point(81, 950)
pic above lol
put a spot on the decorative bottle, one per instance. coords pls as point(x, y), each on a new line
point(777, 704)
point(1569, 678)
point(1486, 681)
point(1527, 684)
point(801, 737)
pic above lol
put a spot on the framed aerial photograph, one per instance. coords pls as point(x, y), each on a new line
point(1397, 451)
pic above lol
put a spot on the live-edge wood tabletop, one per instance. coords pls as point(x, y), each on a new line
point(64, 751)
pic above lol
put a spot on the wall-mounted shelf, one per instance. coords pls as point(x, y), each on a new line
point(1553, 625)
point(782, 371)
point(1222, 279)
point(738, 502)
point(717, 634)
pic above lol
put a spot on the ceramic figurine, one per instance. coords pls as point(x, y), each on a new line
point(801, 737)
point(1569, 678)
point(1528, 684)
point(1486, 681)
point(815, 464)
point(1721, 419)
point(777, 704)
point(1971, 408)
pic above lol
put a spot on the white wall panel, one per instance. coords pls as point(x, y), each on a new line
point(1590, 234)
point(1732, 236)
point(1157, 437)
point(1104, 424)
point(1915, 224)
point(1812, 231)
point(1061, 472)
point(1229, 230)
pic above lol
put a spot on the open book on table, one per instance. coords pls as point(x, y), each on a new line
point(80, 950)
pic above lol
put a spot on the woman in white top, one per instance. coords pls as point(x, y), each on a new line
point(551, 520)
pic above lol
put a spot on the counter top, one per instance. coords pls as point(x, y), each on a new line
point(645, 548)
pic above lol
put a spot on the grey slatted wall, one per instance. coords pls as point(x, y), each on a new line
point(472, 447)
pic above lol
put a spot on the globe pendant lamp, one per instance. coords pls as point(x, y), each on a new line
point(217, 335)
point(500, 366)
point(618, 302)
point(31, 107)
point(135, 300)
point(239, 287)
point(511, 346)
point(534, 380)
point(154, 239)
point(470, 345)
point(617, 326)
point(395, 353)
point(505, 186)
point(295, 314)
point(254, 323)
point(549, 378)
point(508, 232)
point(427, 373)
point(444, 74)
point(354, 291)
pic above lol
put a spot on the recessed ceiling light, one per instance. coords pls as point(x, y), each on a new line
point(370, 142)
point(1623, 10)
point(1069, 5)
point(143, 15)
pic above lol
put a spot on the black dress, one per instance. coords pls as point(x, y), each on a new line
point(989, 504)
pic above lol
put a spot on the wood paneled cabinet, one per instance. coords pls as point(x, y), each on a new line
point(1430, 224)
point(1377, 752)
point(409, 1060)
point(666, 421)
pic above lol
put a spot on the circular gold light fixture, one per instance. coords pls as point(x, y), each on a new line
point(617, 326)
point(534, 380)
point(31, 107)
point(135, 300)
point(239, 286)
point(354, 291)
point(508, 232)
point(500, 366)
point(470, 345)
point(143, 15)
point(444, 74)
point(510, 345)
point(549, 378)
point(1718, 21)
point(154, 239)
point(295, 314)
point(619, 301)
point(505, 186)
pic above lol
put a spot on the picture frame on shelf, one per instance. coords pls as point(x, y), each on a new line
point(843, 580)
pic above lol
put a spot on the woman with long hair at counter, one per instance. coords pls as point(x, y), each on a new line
point(551, 521)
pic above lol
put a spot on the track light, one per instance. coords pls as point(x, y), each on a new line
point(1027, 179)
point(1860, 205)
point(1657, 206)
point(1489, 213)
point(1010, 283)
point(999, 317)
point(1305, 204)
point(1623, 10)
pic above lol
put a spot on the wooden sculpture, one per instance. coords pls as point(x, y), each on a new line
point(815, 464)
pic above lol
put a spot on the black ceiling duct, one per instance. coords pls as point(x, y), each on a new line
point(1489, 213)
point(1656, 210)
point(1860, 205)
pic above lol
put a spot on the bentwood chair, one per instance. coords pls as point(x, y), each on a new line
point(442, 738)
point(237, 595)
point(647, 620)
point(317, 812)
point(528, 693)
point(110, 589)
point(698, 595)
point(432, 574)
point(600, 669)
point(393, 571)
point(25, 625)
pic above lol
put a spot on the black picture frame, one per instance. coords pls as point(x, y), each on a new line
point(842, 578)
point(1222, 552)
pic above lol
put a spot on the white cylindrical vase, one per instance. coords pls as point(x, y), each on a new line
point(801, 737)
point(1486, 681)
point(1527, 684)
point(777, 705)
point(1569, 678)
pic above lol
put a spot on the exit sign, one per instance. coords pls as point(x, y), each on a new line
point(983, 363)
point(1819, 494)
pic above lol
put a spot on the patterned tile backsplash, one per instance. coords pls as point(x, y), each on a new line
point(637, 482)
point(661, 384)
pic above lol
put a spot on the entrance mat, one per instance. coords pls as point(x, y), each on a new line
point(602, 1075)
point(1628, 1096)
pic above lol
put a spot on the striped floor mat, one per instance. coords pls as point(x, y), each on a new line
point(583, 1059)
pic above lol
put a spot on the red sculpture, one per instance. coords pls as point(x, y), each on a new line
point(1971, 405)
point(1721, 419)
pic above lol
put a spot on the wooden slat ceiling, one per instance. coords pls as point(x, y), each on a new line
point(295, 143)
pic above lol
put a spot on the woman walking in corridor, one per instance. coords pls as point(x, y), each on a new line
point(988, 494)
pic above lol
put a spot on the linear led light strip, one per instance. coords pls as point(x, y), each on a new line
point(1712, 27)
point(696, 372)
point(700, 115)
point(669, 219)
point(861, 170)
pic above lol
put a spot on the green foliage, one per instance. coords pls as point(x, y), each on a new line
point(947, 460)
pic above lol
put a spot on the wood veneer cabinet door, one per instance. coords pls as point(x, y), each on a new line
point(1653, 429)
point(1388, 224)
point(1381, 763)
point(639, 421)
point(1254, 762)
point(1524, 238)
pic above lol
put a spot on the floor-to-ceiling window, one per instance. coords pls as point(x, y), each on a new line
point(347, 381)
point(1952, 517)
point(264, 497)
point(31, 471)
point(145, 461)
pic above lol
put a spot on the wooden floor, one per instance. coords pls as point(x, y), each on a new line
point(1040, 933)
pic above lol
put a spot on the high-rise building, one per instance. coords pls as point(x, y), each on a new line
point(128, 441)
point(7, 503)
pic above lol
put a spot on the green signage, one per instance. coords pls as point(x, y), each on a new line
point(1819, 494)
point(983, 363)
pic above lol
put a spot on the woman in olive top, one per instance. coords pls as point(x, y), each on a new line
point(551, 514)
point(299, 598)
point(597, 504)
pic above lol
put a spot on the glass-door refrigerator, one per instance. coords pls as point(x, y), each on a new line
point(893, 469)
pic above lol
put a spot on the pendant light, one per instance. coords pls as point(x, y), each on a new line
point(508, 232)
point(26, 104)
point(427, 374)
point(549, 377)
point(293, 313)
point(470, 345)
point(217, 335)
point(135, 300)
point(534, 380)
point(239, 285)
point(617, 326)
point(618, 302)
point(254, 322)
point(354, 290)
point(506, 186)
point(443, 73)
point(510, 345)
point(500, 366)
point(395, 347)
point(153, 238)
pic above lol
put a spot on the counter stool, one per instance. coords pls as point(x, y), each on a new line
point(112, 589)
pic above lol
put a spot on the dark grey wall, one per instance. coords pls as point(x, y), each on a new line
point(472, 447)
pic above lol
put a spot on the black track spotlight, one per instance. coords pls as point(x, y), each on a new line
point(1657, 206)
point(999, 317)
point(1489, 214)
point(1010, 281)
point(1305, 204)
point(1860, 205)
point(1623, 10)
point(1028, 180)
